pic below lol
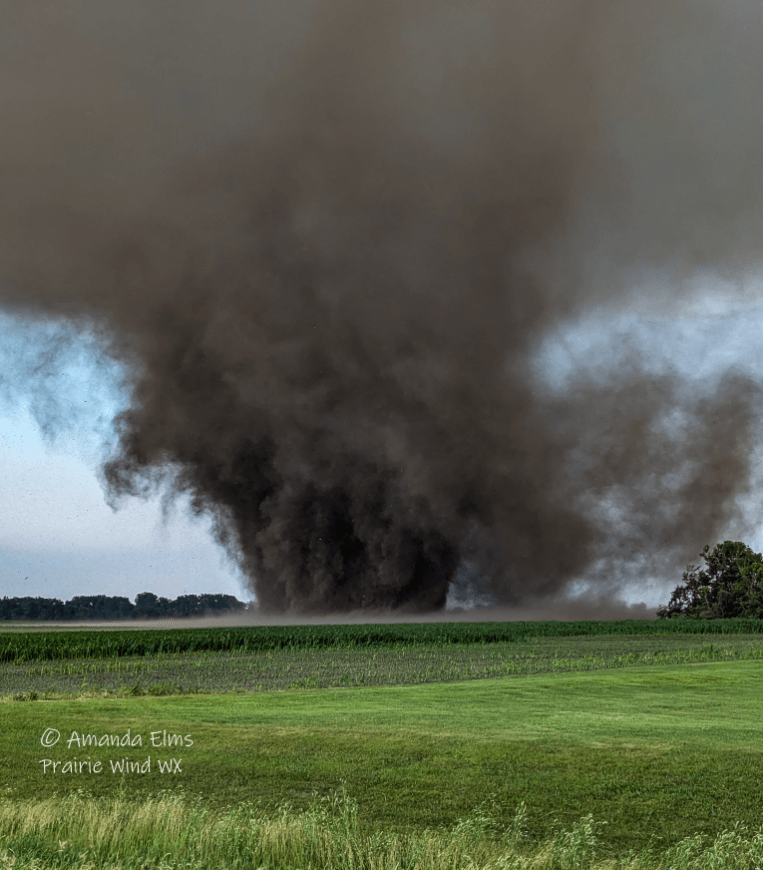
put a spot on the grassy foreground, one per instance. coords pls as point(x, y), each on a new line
point(660, 753)
point(167, 832)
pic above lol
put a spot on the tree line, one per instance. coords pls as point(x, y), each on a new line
point(108, 607)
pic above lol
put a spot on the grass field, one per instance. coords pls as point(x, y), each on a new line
point(658, 737)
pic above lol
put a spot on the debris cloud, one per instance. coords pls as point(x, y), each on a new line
point(327, 239)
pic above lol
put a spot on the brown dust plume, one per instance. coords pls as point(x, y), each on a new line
point(327, 240)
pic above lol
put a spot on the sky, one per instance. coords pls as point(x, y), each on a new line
point(59, 537)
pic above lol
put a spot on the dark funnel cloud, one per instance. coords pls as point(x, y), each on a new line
point(326, 240)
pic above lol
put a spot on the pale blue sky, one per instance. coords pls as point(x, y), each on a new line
point(58, 537)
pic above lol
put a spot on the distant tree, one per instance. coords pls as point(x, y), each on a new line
point(147, 605)
point(100, 607)
point(185, 605)
point(220, 603)
point(31, 608)
point(730, 584)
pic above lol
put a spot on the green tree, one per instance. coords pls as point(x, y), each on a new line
point(730, 584)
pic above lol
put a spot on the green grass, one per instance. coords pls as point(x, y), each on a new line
point(167, 832)
point(667, 750)
point(658, 735)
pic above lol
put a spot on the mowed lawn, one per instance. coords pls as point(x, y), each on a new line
point(664, 751)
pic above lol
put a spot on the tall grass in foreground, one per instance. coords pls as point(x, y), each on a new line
point(170, 832)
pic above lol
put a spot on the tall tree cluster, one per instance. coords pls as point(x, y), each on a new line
point(729, 585)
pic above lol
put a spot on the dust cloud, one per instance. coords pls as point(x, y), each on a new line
point(326, 240)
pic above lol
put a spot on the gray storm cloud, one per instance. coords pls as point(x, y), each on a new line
point(326, 240)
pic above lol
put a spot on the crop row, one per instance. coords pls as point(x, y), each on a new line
point(45, 646)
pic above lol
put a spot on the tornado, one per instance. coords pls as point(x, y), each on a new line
point(326, 240)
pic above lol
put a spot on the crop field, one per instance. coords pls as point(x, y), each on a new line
point(562, 750)
point(400, 664)
point(25, 645)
